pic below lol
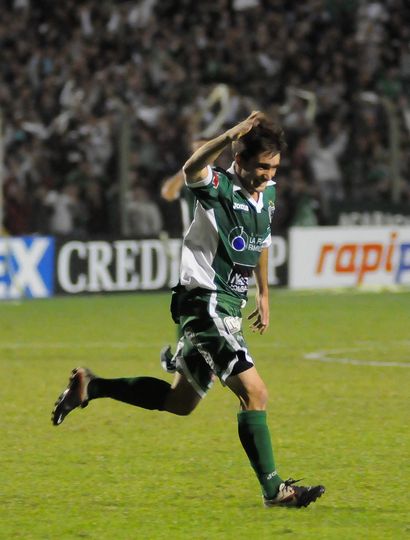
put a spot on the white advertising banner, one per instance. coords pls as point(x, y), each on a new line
point(41, 266)
point(323, 257)
point(97, 266)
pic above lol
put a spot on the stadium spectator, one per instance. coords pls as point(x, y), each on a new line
point(325, 147)
point(96, 209)
point(17, 215)
point(68, 213)
point(40, 211)
point(70, 73)
point(143, 215)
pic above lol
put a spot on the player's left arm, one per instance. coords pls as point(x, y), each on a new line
point(260, 316)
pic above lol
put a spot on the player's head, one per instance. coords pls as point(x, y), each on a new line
point(257, 155)
point(266, 137)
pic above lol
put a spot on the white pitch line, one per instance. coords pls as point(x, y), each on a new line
point(321, 356)
point(318, 356)
point(89, 345)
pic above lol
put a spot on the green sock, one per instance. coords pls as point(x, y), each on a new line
point(255, 438)
point(145, 392)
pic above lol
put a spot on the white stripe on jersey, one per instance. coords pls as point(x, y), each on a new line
point(198, 251)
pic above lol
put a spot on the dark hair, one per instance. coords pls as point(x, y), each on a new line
point(265, 137)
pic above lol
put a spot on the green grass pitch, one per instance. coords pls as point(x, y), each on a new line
point(337, 369)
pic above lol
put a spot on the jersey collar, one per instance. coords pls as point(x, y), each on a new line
point(237, 186)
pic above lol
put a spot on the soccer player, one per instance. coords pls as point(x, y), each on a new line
point(227, 242)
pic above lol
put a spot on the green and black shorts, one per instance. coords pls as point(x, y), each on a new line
point(212, 343)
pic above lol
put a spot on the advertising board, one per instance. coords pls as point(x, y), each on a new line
point(41, 266)
point(349, 256)
point(26, 267)
point(103, 266)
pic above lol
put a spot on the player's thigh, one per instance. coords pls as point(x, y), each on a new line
point(192, 364)
point(225, 352)
point(183, 398)
point(249, 387)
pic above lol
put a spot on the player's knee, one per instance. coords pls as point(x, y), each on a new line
point(181, 399)
point(180, 407)
point(256, 399)
point(183, 409)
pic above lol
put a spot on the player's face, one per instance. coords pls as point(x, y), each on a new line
point(256, 171)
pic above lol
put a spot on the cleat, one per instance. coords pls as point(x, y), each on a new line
point(294, 496)
point(75, 395)
point(168, 362)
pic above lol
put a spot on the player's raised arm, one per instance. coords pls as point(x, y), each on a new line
point(195, 168)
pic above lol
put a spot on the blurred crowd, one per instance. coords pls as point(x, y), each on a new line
point(88, 86)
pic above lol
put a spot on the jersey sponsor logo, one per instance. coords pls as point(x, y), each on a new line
point(215, 180)
point(255, 244)
point(238, 239)
point(239, 278)
point(238, 283)
point(240, 206)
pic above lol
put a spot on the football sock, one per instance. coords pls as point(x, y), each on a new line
point(255, 438)
point(145, 392)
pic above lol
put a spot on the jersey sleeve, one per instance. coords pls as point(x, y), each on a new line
point(211, 189)
point(268, 240)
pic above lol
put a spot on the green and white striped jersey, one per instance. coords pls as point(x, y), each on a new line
point(228, 232)
point(187, 203)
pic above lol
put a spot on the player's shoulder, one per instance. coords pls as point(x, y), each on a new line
point(221, 178)
point(223, 172)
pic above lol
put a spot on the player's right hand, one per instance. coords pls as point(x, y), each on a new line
point(246, 125)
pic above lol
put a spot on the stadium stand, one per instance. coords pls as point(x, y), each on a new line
point(70, 71)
